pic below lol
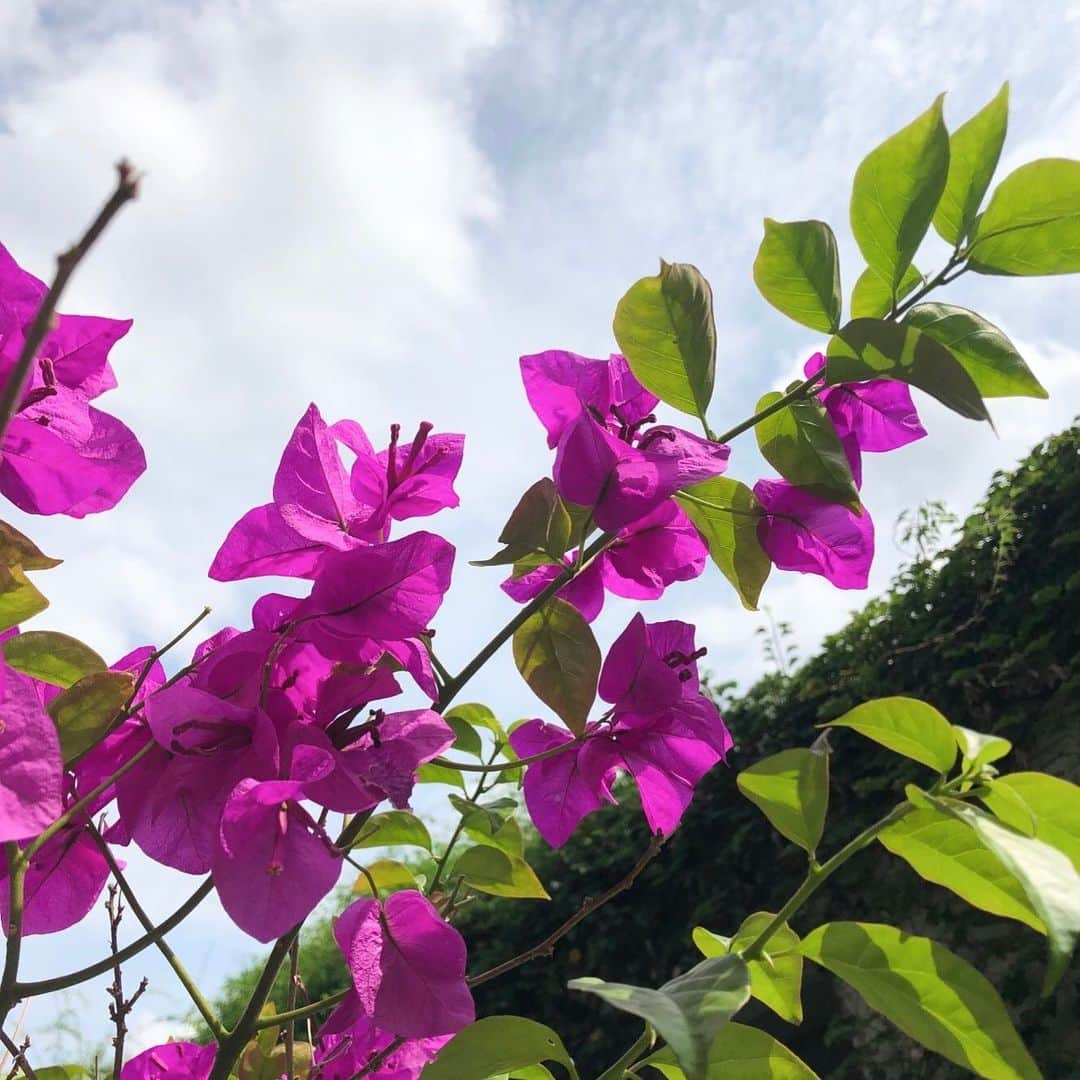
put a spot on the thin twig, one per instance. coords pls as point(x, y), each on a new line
point(290, 1004)
point(18, 1054)
point(377, 1060)
point(547, 946)
point(120, 1007)
point(127, 187)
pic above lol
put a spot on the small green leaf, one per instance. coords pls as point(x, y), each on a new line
point(558, 657)
point(499, 873)
point(726, 515)
point(739, 1052)
point(539, 522)
point(258, 1063)
point(1056, 806)
point(1032, 223)
point(908, 727)
point(466, 737)
point(871, 298)
point(798, 271)
point(19, 599)
point(479, 716)
point(950, 853)
point(497, 1044)
point(21, 551)
point(688, 1011)
point(394, 828)
point(977, 749)
point(974, 149)
point(507, 836)
point(84, 711)
point(430, 773)
point(664, 327)
point(988, 356)
point(775, 979)
point(1008, 805)
point(63, 1072)
point(50, 657)
point(895, 194)
point(800, 442)
point(877, 349)
point(389, 875)
point(792, 790)
point(487, 817)
point(928, 992)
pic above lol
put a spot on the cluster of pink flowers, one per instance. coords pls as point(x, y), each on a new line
point(242, 756)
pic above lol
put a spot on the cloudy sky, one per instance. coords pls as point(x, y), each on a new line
point(379, 207)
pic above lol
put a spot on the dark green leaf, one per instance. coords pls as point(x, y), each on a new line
point(21, 551)
point(895, 194)
point(726, 515)
point(497, 872)
point(739, 1053)
point(1032, 224)
point(540, 522)
point(792, 790)
point(872, 298)
point(974, 149)
point(497, 1044)
point(877, 349)
point(688, 1011)
point(394, 828)
point(988, 356)
point(797, 270)
point(558, 657)
point(800, 442)
point(50, 657)
point(664, 327)
point(906, 726)
point(19, 599)
point(84, 711)
point(466, 737)
point(928, 992)
point(389, 875)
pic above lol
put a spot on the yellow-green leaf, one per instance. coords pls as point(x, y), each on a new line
point(499, 873)
point(907, 726)
point(798, 271)
point(739, 1053)
point(84, 712)
point(50, 657)
point(19, 599)
point(792, 790)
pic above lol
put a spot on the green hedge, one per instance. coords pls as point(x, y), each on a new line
point(987, 633)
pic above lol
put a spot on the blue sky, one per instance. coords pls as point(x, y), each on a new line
point(379, 207)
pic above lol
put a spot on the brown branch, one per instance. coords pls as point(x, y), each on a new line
point(588, 906)
point(18, 1055)
point(377, 1060)
point(119, 1007)
point(127, 187)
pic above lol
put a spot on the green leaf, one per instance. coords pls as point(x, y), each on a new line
point(878, 349)
point(977, 749)
point(1008, 805)
point(726, 515)
point(466, 737)
point(21, 551)
point(506, 836)
point(664, 327)
point(974, 149)
point(258, 1063)
point(497, 1044)
point(792, 790)
point(558, 657)
point(872, 297)
point(50, 657)
point(486, 817)
point(84, 711)
point(1032, 223)
point(950, 853)
point(688, 1011)
point(985, 353)
point(895, 194)
point(908, 727)
point(798, 271)
point(479, 716)
point(430, 773)
point(63, 1072)
point(739, 1052)
point(499, 873)
point(776, 978)
point(800, 442)
point(1047, 876)
point(389, 875)
point(19, 599)
point(1056, 806)
point(539, 522)
point(928, 992)
point(394, 828)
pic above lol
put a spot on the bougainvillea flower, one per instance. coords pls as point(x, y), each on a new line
point(60, 455)
point(318, 508)
point(378, 759)
point(274, 863)
point(31, 771)
point(172, 800)
point(407, 966)
point(879, 414)
point(623, 481)
point(661, 548)
point(171, 1061)
point(801, 532)
point(341, 1057)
